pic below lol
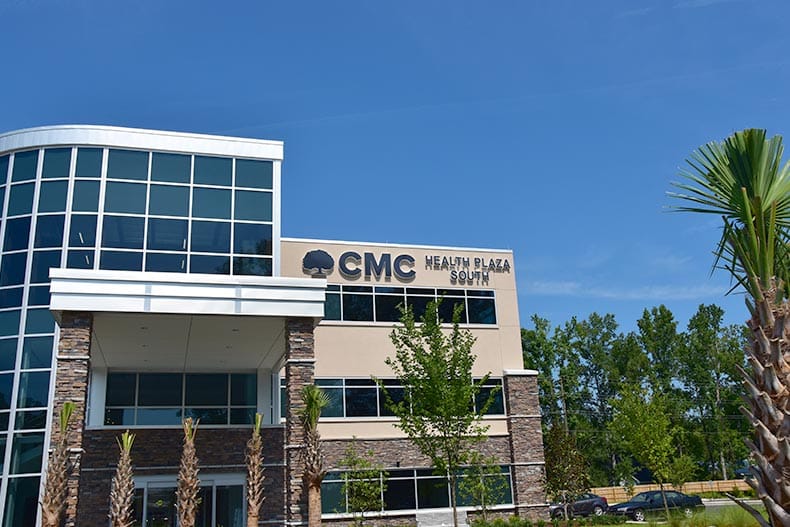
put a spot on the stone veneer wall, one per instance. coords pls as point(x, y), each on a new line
point(158, 451)
point(526, 443)
point(299, 372)
point(71, 384)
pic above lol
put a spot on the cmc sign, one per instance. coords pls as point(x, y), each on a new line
point(352, 265)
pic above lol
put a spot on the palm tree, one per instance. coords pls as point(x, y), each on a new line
point(56, 481)
point(743, 181)
point(255, 477)
point(188, 485)
point(314, 400)
point(122, 490)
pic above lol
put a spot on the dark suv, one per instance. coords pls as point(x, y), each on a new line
point(586, 505)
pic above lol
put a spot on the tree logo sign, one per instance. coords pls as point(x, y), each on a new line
point(318, 263)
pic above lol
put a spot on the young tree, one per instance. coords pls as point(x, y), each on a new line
point(188, 485)
point(566, 475)
point(314, 401)
point(743, 181)
point(363, 483)
point(56, 480)
point(122, 489)
point(436, 411)
point(255, 477)
point(483, 484)
point(644, 425)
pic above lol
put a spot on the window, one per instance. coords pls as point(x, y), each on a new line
point(25, 165)
point(163, 399)
point(383, 304)
point(52, 196)
point(253, 206)
point(86, 196)
point(17, 234)
point(211, 203)
point(21, 199)
point(253, 173)
point(128, 198)
point(169, 200)
point(174, 168)
point(363, 397)
point(56, 163)
point(213, 171)
point(49, 231)
point(89, 162)
point(127, 164)
point(409, 489)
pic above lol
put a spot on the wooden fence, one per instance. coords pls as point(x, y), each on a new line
point(618, 494)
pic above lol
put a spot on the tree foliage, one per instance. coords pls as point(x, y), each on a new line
point(436, 411)
point(362, 482)
point(584, 364)
point(567, 475)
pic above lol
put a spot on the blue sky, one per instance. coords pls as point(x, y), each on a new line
point(552, 128)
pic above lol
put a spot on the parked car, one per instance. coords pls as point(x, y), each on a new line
point(643, 503)
point(586, 505)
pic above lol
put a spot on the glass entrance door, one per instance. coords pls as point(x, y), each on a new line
point(221, 503)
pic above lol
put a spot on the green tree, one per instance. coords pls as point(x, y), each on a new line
point(743, 181)
point(708, 362)
point(483, 484)
point(643, 424)
point(566, 475)
point(363, 482)
point(436, 411)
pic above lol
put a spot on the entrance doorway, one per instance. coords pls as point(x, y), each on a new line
point(222, 502)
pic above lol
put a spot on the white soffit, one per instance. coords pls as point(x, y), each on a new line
point(187, 294)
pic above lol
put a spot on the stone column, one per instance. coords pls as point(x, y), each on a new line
point(71, 384)
point(526, 441)
point(299, 372)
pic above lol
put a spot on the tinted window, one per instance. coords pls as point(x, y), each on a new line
point(4, 168)
point(52, 196)
point(125, 197)
point(121, 389)
point(37, 353)
point(332, 306)
point(123, 232)
point(26, 458)
point(159, 389)
point(25, 165)
point(56, 163)
point(86, 196)
point(89, 162)
point(49, 231)
point(253, 206)
point(7, 360)
point(21, 199)
point(80, 260)
point(39, 321)
point(170, 167)
point(213, 171)
point(17, 234)
point(432, 493)
point(169, 200)
point(38, 296)
point(121, 261)
point(481, 310)
point(361, 402)
point(206, 389)
point(12, 269)
point(210, 237)
point(6, 382)
point(252, 238)
point(42, 262)
point(211, 203)
point(252, 266)
point(166, 263)
point(167, 235)
point(253, 173)
point(243, 389)
point(33, 389)
point(31, 419)
point(127, 164)
point(357, 307)
point(387, 307)
point(83, 231)
point(9, 323)
point(11, 297)
point(209, 264)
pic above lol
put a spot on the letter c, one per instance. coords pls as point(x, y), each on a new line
point(343, 264)
point(400, 261)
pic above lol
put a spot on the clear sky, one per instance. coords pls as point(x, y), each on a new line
point(552, 128)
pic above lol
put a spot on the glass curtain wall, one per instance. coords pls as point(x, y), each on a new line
point(111, 209)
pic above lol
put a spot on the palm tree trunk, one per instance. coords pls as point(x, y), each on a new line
point(768, 388)
point(314, 505)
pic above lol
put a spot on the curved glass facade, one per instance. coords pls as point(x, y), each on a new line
point(88, 206)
